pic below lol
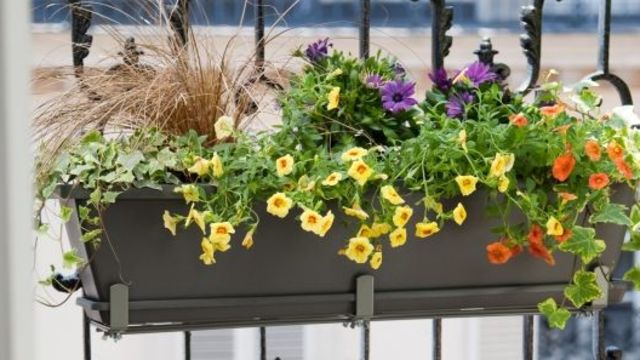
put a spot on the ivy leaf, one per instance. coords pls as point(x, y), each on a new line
point(130, 161)
point(633, 275)
point(65, 213)
point(91, 235)
point(584, 288)
point(611, 213)
point(634, 242)
point(556, 317)
point(109, 197)
point(584, 244)
point(70, 259)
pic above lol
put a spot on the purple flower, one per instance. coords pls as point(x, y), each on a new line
point(479, 73)
point(397, 95)
point(374, 81)
point(399, 69)
point(441, 80)
point(455, 105)
point(318, 50)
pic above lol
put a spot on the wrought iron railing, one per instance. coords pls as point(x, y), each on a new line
point(441, 42)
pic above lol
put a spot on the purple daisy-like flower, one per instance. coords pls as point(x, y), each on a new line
point(397, 95)
point(455, 105)
point(479, 73)
point(399, 69)
point(441, 79)
point(318, 50)
point(374, 81)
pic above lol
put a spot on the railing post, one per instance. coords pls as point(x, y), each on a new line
point(365, 28)
point(597, 332)
point(441, 21)
point(263, 343)
point(187, 345)
point(86, 333)
point(527, 337)
point(366, 339)
point(437, 339)
point(258, 13)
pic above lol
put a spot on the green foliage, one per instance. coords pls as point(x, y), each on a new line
point(611, 213)
point(584, 244)
point(584, 288)
point(633, 275)
point(556, 316)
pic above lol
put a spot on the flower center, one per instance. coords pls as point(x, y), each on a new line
point(360, 248)
point(221, 231)
point(278, 202)
point(283, 163)
point(397, 97)
point(361, 169)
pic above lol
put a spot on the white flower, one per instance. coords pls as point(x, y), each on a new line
point(223, 127)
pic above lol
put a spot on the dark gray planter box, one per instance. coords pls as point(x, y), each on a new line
point(292, 276)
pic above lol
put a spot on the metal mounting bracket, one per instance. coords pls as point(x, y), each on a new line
point(603, 283)
point(118, 310)
point(364, 297)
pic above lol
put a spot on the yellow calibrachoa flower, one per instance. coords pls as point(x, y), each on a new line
point(503, 184)
point(426, 229)
point(200, 167)
point(207, 252)
point(355, 153)
point(467, 184)
point(356, 211)
point(398, 237)
point(306, 184)
point(170, 222)
point(391, 195)
point(360, 171)
point(279, 205)
point(189, 192)
point(376, 260)
point(379, 229)
point(554, 227)
point(365, 231)
point(311, 221)
point(284, 165)
point(325, 223)
point(195, 216)
point(459, 214)
point(359, 249)
point(502, 163)
point(247, 242)
point(333, 179)
point(402, 215)
point(220, 243)
point(223, 127)
point(334, 98)
point(216, 165)
point(462, 139)
point(221, 232)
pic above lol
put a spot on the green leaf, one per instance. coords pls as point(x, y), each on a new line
point(130, 161)
point(65, 213)
point(83, 212)
point(611, 213)
point(70, 259)
point(556, 317)
point(633, 275)
point(91, 235)
point(95, 197)
point(634, 242)
point(584, 288)
point(109, 197)
point(584, 244)
point(635, 214)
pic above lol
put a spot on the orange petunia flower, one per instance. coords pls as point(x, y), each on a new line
point(563, 166)
point(615, 151)
point(598, 181)
point(540, 251)
point(514, 248)
point(566, 235)
point(624, 169)
point(519, 120)
point(535, 234)
point(566, 197)
point(498, 253)
point(552, 111)
point(592, 149)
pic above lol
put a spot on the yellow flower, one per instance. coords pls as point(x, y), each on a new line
point(221, 232)
point(189, 192)
point(311, 221)
point(376, 260)
point(360, 171)
point(462, 139)
point(467, 184)
point(334, 73)
point(284, 165)
point(279, 205)
point(220, 243)
point(355, 153)
point(503, 184)
point(247, 242)
point(391, 195)
point(365, 231)
point(200, 167)
point(432, 204)
point(223, 127)
point(554, 227)
point(380, 177)
point(402, 215)
point(334, 98)
point(170, 222)
point(196, 217)
point(306, 184)
point(356, 211)
point(501, 164)
point(379, 229)
point(459, 214)
point(426, 229)
point(207, 252)
point(332, 179)
point(398, 237)
point(216, 164)
point(359, 249)
point(325, 223)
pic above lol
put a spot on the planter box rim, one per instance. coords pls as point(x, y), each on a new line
point(72, 191)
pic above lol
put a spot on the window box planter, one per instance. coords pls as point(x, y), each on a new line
point(292, 276)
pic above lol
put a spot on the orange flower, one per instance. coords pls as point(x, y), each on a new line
point(498, 253)
point(535, 234)
point(598, 181)
point(514, 248)
point(552, 111)
point(566, 235)
point(562, 130)
point(566, 197)
point(563, 166)
point(615, 151)
point(624, 169)
point(592, 149)
point(540, 251)
point(518, 120)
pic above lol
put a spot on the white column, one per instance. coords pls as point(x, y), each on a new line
point(16, 239)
